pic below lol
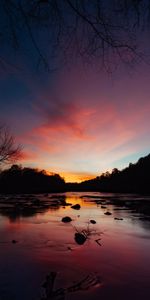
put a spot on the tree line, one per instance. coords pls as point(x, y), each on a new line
point(133, 179)
point(17, 179)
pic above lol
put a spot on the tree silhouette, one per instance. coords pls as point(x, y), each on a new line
point(106, 30)
point(9, 151)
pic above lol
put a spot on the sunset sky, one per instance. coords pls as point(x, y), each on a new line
point(77, 121)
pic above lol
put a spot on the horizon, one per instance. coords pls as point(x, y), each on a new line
point(71, 177)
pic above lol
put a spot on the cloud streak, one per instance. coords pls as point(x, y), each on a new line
point(79, 126)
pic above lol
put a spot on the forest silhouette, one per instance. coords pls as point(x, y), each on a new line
point(28, 180)
point(132, 179)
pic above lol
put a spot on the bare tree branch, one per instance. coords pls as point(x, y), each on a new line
point(83, 29)
point(9, 151)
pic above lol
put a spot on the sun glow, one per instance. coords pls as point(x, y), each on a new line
point(76, 177)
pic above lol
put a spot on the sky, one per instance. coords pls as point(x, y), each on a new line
point(77, 121)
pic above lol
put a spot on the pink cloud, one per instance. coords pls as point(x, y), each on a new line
point(77, 129)
point(101, 128)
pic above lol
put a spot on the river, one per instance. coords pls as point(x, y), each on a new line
point(103, 253)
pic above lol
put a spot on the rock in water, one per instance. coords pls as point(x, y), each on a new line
point(76, 206)
point(80, 238)
point(66, 219)
point(14, 241)
point(92, 221)
point(103, 206)
point(108, 213)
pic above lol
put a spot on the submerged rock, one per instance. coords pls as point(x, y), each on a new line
point(66, 219)
point(103, 206)
point(62, 292)
point(14, 241)
point(119, 219)
point(145, 218)
point(76, 206)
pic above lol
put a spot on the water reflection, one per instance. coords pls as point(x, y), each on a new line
point(86, 283)
point(95, 255)
point(16, 207)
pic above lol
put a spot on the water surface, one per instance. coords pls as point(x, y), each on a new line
point(112, 263)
